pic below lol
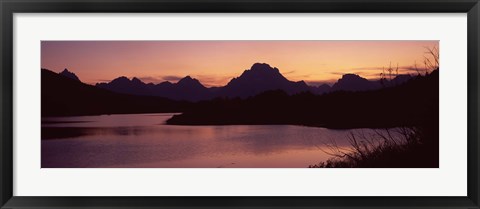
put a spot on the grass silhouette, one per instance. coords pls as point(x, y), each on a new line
point(406, 147)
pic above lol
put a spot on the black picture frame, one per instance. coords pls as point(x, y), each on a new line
point(9, 7)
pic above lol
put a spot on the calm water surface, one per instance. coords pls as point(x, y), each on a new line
point(144, 140)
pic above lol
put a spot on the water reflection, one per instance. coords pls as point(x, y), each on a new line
point(143, 140)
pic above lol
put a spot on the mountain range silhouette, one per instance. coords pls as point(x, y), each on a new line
point(279, 103)
point(261, 77)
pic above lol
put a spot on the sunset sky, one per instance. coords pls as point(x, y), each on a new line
point(215, 63)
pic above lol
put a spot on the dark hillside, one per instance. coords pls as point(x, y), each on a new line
point(62, 96)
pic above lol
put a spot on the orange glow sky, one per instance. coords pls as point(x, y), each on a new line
point(215, 63)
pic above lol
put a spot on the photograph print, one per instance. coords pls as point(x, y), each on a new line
point(240, 104)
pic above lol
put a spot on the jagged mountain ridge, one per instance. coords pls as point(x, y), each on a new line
point(69, 74)
point(259, 78)
point(187, 88)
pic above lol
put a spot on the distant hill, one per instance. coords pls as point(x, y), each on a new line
point(63, 96)
point(322, 89)
point(353, 82)
point(260, 78)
